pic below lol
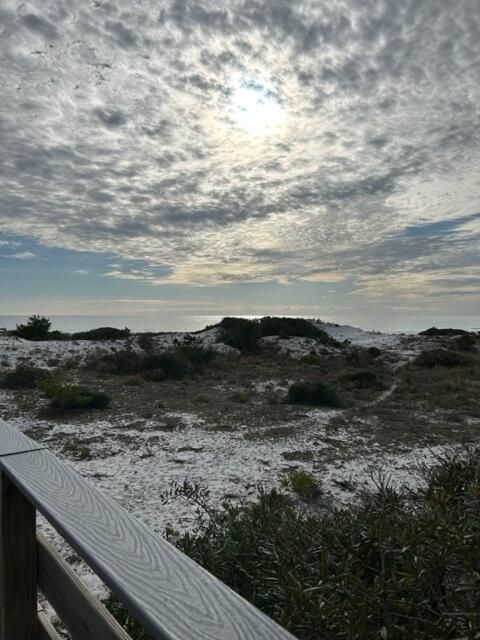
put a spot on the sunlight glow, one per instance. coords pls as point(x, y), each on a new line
point(255, 109)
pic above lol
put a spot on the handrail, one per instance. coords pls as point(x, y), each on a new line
point(173, 597)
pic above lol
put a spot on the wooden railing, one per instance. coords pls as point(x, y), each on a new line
point(172, 596)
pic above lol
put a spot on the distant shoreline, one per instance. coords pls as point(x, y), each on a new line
point(169, 322)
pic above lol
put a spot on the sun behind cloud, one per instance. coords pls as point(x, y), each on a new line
point(255, 108)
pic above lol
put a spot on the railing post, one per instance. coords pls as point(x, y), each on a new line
point(18, 564)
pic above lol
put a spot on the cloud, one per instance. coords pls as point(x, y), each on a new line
point(21, 255)
point(118, 136)
point(39, 25)
point(111, 118)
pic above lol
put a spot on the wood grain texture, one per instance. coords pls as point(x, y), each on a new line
point(169, 593)
point(45, 629)
point(81, 613)
point(13, 441)
point(18, 565)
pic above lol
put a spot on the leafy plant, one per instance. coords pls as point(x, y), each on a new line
point(397, 565)
point(303, 483)
point(466, 342)
point(434, 332)
point(37, 328)
point(244, 334)
point(197, 355)
point(318, 394)
point(240, 333)
point(440, 358)
point(102, 333)
point(289, 327)
point(123, 362)
point(24, 377)
point(174, 364)
point(65, 397)
point(365, 379)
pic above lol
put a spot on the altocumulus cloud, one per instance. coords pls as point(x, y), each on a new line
point(117, 135)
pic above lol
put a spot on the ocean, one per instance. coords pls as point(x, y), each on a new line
point(175, 322)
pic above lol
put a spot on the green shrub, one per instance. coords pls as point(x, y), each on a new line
point(244, 334)
point(439, 357)
point(197, 355)
point(24, 377)
point(359, 357)
point(303, 483)
point(312, 359)
point(397, 566)
point(102, 333)
point(375, 352)
point(145, 341)
point(240, 333)
point(290, 327)
point(318, 394)
point(37, 328)
point(174, 364)
point(124, 362)
point(64, 397)
point(466, 342)
point(433, 332)
point(364, 379)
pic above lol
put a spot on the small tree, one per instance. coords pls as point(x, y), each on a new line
point(37, 328)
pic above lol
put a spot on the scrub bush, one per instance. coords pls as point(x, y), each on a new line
point(102, 333)
point(37, 328)
point(317, 394)
point(397, 565)
point(439, 358)
point(24, 377)
point(66, 397)
point(240, 333)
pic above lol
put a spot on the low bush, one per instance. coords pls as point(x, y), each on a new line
point(318, 394)
point(175, 364)
point(198, 356)
point(364, 379)
point(466, 342)
point(24, 377)
point(291, 327)
point(244, 334)
point(102, 333)
point(359, 356)
point(440, 358)
point(124, 362)
point(375, 352)
point(145, 341)
point(397, 565)
point(65, 397)
point(37, 328)
point(433, 332)
point(303, 483)
point(240, 333)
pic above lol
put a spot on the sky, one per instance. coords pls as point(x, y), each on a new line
point(241, 157)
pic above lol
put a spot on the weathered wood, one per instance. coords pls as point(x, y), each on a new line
point(14, 441)
point(169, 593)
point(81, 613)
point(45, 628)
point(18, 564)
